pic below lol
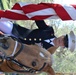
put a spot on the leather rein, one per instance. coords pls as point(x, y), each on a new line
point(12, 59)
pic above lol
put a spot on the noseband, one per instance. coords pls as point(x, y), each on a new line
point(12, 59)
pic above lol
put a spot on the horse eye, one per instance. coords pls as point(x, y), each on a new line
point(33, 63)
point(5, 46)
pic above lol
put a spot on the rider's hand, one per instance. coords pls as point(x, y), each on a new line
point(1, 32)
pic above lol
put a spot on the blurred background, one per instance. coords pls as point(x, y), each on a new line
point(64, 60)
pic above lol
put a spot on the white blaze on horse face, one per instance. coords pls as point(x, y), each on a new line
point(41, 54)
point(16, 44)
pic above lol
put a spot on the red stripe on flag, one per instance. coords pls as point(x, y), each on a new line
point(74, 6)
point(15, 16)
point(33, 7)
point(17, 7)
point(1, 13)
point(40, 17)
point(60, 11)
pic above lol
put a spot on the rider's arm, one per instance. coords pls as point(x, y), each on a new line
point(41, 24)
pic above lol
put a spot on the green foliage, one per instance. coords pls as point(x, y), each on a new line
point(5, 4)
point(65, 62)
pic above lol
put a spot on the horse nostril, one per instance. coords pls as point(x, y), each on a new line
point(33, 63)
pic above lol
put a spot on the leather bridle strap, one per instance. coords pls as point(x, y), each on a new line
point(26, 68)
point(19, 51)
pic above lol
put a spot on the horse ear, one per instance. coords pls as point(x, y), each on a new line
point(52, 49)
point(51, 71)
point(48, 69)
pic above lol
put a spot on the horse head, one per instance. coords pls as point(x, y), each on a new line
point(18, 57)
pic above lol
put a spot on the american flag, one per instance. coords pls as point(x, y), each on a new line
point(40, 11)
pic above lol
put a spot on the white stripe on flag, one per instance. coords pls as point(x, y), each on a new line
point(17, 11)
point(48, 11)
point(23, 4)
point(53, 17)
point(71, 11)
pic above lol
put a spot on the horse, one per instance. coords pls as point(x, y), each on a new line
point(22, 58)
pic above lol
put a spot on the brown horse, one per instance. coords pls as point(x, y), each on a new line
point(22, 58)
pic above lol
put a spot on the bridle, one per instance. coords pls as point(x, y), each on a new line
point(12, 59)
